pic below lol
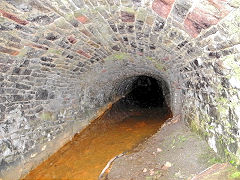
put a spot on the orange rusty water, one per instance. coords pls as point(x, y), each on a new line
point(87, 154)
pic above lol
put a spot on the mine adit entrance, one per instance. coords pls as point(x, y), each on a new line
point(120, 129)
point(146, 93)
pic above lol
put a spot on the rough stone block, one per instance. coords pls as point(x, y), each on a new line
point(159, 24)
point(4, 68)
point(52, 36)
point(81, 52)
point(9, 51)
point(22, 86)
point(162, 7)
point(17, 98)
point(72, 39)
point(40, 19)
point(83, 19)
point(13, 17)
point(203, 17)
point(127, 16)
point(41, 94)
point(180, 9)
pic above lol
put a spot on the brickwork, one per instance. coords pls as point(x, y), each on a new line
point(62, 62)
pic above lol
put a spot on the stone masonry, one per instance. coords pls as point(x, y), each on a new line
point(62, 62)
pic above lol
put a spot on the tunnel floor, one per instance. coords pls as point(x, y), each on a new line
point(88, 153)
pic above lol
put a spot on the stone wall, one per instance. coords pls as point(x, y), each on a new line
point(62, 62)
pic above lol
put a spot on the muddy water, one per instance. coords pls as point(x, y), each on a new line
point(87, 154)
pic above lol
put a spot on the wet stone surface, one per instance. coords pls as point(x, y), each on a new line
point(72, 58)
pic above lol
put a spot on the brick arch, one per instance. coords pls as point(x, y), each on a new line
point(52, 52)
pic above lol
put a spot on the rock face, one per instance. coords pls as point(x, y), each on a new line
point(61, 62)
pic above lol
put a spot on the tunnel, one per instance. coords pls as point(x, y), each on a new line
point(63, 63)
point(145, 93)
point(143, 96)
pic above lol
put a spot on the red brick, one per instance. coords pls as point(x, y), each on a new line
point(204, 17)
point(86, 32)
point(9, 51)
point(83, 53)
point(166, 58)
point(72, 39)
point(127, 16)
point(37, 46)
point(13, 17)
point(83, 19)
point(162, 7)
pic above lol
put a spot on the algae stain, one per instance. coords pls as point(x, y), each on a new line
point(54, 51)
point(118, 56)
point(158, 65)
point(23, 52)
point(235, 175)
point(47, 116)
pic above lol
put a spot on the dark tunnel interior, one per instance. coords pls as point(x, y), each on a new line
point(146, 93)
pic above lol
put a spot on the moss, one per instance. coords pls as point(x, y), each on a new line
point(210, 158)
point(222, 110)
point(121, 56)
point(215, 160)
point(238, 153)
point(62, 23)
point(158, 65)
point(235, 175)
point(196, 127)
point(54, 51)
point(128, 9)
point(69, 17)
point(222, 100)
point(225, 154)
point(232, 158)
point(182, 138)
point(231, 62)
point(235, 3)
point(150, 58)
point(141, 14)
point(23, 52)
point(47, 116)
point(2, 19)
point(83, 11)
point(118, 56)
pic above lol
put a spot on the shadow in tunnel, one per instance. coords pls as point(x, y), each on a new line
point(146, 93)
point(145, 100)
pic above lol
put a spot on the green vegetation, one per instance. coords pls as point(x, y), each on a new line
point(182, 138)
point(118, 56)
point(158, 65)
point(235, 175)
point(47, 116)
point(215, 160)
point(210, 158)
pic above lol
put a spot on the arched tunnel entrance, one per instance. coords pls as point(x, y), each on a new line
point(146, 93)
point(127, 123)
point(63, 61)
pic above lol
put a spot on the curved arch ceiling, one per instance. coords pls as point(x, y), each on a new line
point(55, 54)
